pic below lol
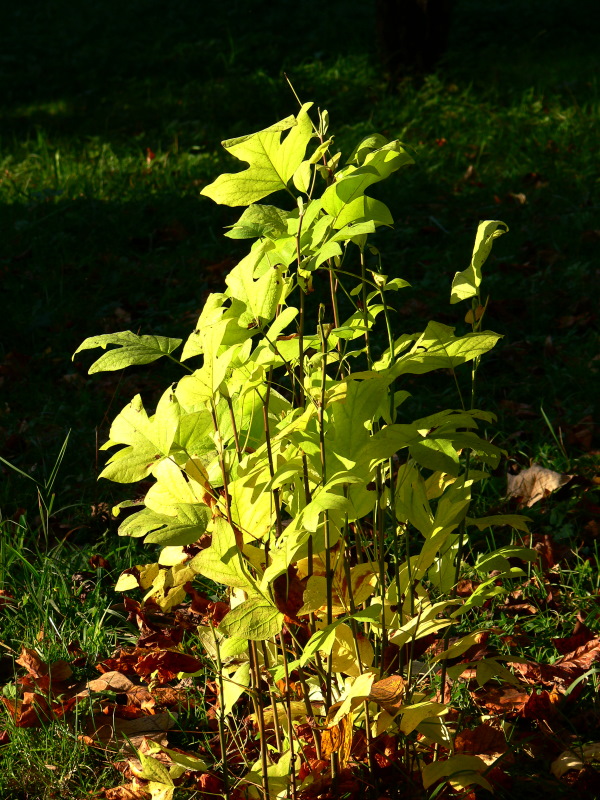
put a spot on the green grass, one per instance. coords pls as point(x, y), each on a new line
point(57, 766)
point(97, 237)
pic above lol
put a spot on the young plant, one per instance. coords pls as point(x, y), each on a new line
point(286, 471)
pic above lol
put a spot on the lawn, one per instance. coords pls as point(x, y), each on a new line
point(111, 119)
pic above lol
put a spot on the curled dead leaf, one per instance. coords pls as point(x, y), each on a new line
point(338, 739)
point(575, 759)
point(389, 693)
point(534, 484)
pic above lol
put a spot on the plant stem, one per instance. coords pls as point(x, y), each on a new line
point(221, 718)
point(288, 709)
point(260, 716)
point(328, 573)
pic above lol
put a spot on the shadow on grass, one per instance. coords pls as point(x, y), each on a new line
point(110, 122)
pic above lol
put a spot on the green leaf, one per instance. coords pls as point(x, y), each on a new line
point(466, 284)
point(260, 295)
point(302, 177)
point(353, 229)
point(499, 558)
point(252, 508)
point(516, 521)
point(347, 436)
point(222, 561)
point(256, 619)
point(489, 668)
point(259, 220)
point(412, 504)
point(187, 527)
point(272, 161)
point(172, 490)
point(153, 770)
point(364, 209)
point(352, 182)
point(461, 769)
point(357, 693)
point(281, 322)
point(234, 687)
point(149, 440)
point(322, 641)
point(370, 614)
point(194, 435)
point(131, 349)
point(324, 501)
point(278, 775)
point(413, 715)
point(182, 759)
point(374, 141)
point(436, 455)
point(126, 583)
point(439, 348)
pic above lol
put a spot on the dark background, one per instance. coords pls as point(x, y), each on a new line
point(110, 119)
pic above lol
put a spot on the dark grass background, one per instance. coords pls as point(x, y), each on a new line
point(110, 120)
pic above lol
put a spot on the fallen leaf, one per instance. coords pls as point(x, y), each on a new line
point(98, 562)
point(575, 759)
point(6, 598)
point(30, 712)
point(534, 484)
point(167, 664)
point(466, 587)
point(563, 672)
point(503, 699)
point(106, 729)
point(484, 741)
point(582, 433)
point(385, 750)
point(517, 604)
point(581, 636)
point(518, 197)
point(130, 791)
point(32, 663)
point(138, 696)
point(288, 591)
point(542, 705)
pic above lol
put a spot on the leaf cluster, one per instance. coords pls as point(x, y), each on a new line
point(285, 470)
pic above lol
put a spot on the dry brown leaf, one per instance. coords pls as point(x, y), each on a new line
point(114, 680)
point(130, 791)
point(581, 636)
point(31, 712)
point(105, 728)
point(117, 682)
point(503, 699)
point(563, 672)
point(389, 693)
point(32, 663)
point(6, 598)
point(533, 484)
point(338, 739)
point(484, 741)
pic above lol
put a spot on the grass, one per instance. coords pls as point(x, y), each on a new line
point(110, 127)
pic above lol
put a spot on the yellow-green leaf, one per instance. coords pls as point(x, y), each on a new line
point(466, 283)
point(272, 161)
